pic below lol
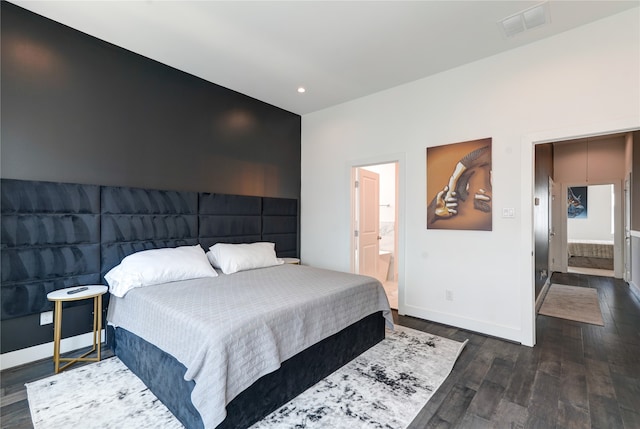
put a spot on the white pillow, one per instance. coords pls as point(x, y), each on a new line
point(150, 267)
point(231, 258)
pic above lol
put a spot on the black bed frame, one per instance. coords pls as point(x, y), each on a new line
point(163, 374)
point(57, 235)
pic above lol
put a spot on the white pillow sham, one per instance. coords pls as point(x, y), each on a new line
point(231, 258)
point(155, 266)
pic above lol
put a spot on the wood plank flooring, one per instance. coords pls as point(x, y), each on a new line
point(577, 376)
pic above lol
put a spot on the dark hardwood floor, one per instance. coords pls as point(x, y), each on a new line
point(577, 375)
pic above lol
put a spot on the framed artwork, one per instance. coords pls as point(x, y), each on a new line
point(459, 190)
point(577, 202)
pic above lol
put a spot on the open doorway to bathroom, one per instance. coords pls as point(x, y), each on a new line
point(375, 225)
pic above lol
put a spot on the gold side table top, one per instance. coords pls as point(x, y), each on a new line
point(77, 293)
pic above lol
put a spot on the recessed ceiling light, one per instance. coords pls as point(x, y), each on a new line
point(301, 89)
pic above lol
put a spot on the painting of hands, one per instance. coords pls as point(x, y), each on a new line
point(454, 173)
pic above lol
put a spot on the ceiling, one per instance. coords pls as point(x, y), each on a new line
point(337, 50)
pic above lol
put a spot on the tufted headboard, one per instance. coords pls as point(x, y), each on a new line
point(229, 219)
point(50, 240)
point(57, 235)
point(280, 225)
point(133, 219)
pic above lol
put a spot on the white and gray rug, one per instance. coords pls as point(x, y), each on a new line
point(385, 387)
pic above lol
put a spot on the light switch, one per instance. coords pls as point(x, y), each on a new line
point(509, 212)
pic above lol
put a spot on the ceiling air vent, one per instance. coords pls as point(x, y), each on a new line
point(527, 19)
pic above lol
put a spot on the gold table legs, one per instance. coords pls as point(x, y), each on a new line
point(57, 336)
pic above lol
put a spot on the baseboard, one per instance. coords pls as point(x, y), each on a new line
point(42, 351)
point(635, 289)
point(543, 293)
point(486, 328)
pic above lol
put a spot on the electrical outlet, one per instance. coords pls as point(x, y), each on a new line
point(448, 295)
point(46, 318)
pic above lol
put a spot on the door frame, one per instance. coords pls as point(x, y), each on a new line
point(399, 160)
point(556, 229)
point(626, 238)
point(527, 249)
point(618, 223)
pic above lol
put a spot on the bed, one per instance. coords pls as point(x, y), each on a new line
point(285, 292)
point(590, 248)
point(230, 330)
point(97, 232)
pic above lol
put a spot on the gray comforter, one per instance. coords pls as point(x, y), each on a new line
point(230, 330)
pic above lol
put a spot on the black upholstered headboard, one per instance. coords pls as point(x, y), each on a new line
point(50, 240)
point(229, 219)
point(280, 225)
point(242, 219)
point(57, 235)
point(134, 219)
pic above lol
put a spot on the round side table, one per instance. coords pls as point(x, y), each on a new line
point(77, 293)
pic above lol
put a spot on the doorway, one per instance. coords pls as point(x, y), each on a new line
point(537, 166)
point(589, 173)
point(569, 162)
point(591, 229)
point(375, 225)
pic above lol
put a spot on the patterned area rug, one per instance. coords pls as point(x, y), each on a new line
point(385, 387)
point(572, 303)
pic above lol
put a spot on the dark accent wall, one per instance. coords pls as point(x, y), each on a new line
point(543, 170)
point(76, 109)
point(79, 110)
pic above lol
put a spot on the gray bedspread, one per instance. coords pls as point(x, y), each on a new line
point(230, 330)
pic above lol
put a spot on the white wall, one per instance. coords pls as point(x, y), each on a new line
point(574, 81)
point(597, 224)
